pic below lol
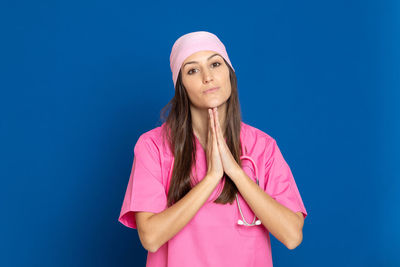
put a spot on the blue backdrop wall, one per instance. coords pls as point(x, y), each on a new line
point(82, 80)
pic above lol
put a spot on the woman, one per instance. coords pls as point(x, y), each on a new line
point(206, 189)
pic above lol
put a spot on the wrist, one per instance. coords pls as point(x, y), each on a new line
point(212, 177)
point(235, 173)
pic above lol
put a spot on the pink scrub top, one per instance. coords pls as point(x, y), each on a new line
point(212, 237)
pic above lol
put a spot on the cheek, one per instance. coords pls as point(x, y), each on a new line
point(228, 91)
point(226, 79)
point(228, 85)
point(192, 83)
point(193, 95)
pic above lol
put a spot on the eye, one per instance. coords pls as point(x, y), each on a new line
point(216, 63)
point(190, 71)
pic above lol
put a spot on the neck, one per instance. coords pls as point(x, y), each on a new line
point(200, 121)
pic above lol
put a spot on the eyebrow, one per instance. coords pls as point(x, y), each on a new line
point(191, 62)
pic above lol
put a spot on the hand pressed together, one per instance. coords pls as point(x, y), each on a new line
point(219, 157)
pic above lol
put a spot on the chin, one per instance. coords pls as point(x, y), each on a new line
point(213, 104)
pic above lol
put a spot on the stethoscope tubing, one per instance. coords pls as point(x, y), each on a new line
point(255, 220)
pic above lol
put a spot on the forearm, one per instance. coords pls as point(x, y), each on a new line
point(280, 221)
point(166, 224)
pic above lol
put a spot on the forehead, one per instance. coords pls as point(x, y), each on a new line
point(201, 56)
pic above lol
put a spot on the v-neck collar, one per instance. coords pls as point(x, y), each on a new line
point(241, 136)
point(198, 142)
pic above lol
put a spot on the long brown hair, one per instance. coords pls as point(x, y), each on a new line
point(179, 135)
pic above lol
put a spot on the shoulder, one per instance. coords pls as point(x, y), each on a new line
point(260, 143)
point(255, 135)
point(150, 139)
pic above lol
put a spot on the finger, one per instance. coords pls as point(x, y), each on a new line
point(218, 126)
point(209, 123)
point(212, 130)
point(213, 127)
point(209, 136)
point(216, 119)
point(217, 132)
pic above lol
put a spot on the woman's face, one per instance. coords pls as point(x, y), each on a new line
point(204, 70)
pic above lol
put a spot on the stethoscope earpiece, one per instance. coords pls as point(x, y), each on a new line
point(240, 222)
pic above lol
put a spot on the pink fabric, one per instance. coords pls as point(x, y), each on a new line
point(193, 42)
point(212, 237)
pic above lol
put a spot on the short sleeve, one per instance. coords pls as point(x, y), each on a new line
point(145, 191)
point(280, 183)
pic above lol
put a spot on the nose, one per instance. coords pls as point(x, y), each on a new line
point(207, 76)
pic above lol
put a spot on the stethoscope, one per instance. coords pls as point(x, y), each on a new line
point(243, 222)
point(239, 222)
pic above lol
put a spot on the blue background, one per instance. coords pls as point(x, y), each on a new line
point(81, 81)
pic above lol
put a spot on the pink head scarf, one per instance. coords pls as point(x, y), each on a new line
point(193, 42)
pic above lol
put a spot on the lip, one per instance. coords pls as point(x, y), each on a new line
point(211, 90)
